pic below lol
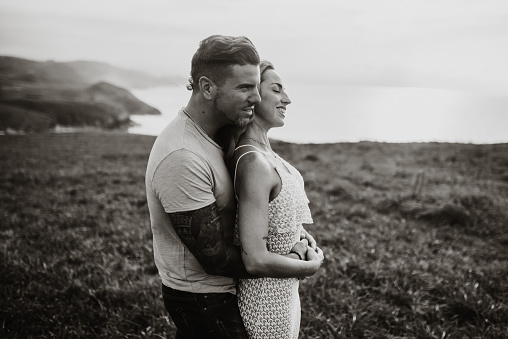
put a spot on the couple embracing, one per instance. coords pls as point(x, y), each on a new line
point(226, 211)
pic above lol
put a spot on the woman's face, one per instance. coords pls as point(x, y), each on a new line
point(272, 109)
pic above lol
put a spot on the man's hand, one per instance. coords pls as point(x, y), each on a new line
point(305, 235)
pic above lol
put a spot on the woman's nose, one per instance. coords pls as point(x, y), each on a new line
point(285, 99)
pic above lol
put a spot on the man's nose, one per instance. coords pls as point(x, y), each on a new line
point(255, 98)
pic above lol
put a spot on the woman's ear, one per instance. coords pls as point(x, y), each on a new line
point(207, 87)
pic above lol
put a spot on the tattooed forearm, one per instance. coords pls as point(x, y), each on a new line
point(202, 232)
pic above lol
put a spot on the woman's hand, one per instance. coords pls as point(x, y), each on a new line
point(301, 247)
point(305, 235)
point(315, 255)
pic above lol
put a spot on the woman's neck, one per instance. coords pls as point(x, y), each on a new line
point(256, 133)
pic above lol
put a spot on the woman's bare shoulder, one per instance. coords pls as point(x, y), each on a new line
point(254, 167)
point(252, 160)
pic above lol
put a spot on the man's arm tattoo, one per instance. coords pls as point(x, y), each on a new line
point(202, 232)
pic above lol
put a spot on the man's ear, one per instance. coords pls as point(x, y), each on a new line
point(207, 87)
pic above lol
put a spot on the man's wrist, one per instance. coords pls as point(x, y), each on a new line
point(298, 254)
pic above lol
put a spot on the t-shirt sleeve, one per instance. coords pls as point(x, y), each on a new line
point(183, 182)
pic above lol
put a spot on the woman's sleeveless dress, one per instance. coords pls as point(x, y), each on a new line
point(270, 307)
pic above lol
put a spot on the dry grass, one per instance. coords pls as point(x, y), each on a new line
point(415, 237)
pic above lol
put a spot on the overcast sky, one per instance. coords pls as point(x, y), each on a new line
point(458, 44)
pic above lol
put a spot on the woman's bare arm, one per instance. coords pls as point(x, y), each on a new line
point(255, 180)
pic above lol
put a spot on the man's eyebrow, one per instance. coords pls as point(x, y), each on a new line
point(248, 85)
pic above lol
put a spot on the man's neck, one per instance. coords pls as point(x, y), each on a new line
point(204, 116)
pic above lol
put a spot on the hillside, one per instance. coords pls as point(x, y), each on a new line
point(23, 73)
point(36, 96)
point(415, 239)
point(95, 72)
point(18, 71)
point(118, 97)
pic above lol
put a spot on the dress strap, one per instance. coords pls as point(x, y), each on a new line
point(248, 145)
point(237, 161)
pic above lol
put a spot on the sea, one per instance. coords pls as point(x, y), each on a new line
point(321, 113)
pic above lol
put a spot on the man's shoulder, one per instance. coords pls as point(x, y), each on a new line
point(182, 132)
point(169, 140)
point(175, 136)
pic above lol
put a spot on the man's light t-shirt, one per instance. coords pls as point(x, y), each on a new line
point(185, 172)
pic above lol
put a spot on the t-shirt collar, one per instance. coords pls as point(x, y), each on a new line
point(200, 130)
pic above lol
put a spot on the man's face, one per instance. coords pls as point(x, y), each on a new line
point(235, 99)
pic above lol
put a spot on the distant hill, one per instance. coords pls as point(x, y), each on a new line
point(36, 96)
point(118, 97)
point(22, 71)
point(94, 72)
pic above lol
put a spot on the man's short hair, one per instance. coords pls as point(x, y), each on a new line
point(217, 53)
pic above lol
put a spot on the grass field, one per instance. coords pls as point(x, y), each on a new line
point(415, 238)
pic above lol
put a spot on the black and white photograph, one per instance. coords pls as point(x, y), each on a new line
point(254, 170)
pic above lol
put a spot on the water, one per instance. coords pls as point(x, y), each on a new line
point(167, 99)
point(323, 113)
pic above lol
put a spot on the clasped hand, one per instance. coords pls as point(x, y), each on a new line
point(307, 248)
point(307, 251)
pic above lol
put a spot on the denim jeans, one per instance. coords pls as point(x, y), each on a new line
point(204, 315)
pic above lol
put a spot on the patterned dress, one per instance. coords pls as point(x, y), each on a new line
point(270, 307)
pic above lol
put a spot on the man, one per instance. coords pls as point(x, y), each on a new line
point(190, 194)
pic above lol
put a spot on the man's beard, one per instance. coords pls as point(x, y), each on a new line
point(236, 122)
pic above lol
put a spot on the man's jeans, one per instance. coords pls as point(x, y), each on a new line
point(204, 315)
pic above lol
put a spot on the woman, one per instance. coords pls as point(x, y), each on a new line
point(272, 206)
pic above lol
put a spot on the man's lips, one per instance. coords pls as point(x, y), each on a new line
point(248, 110)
